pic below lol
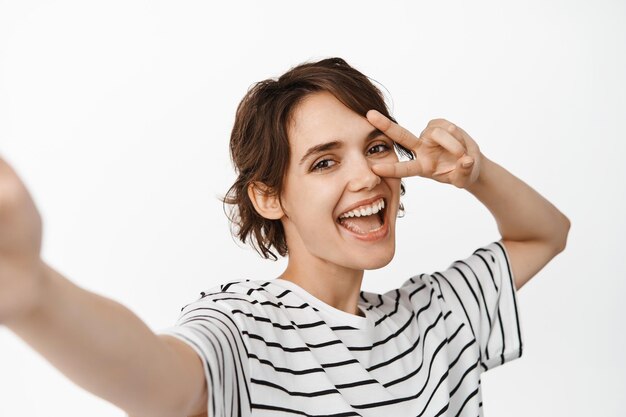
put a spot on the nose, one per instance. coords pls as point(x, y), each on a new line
point(362, 177)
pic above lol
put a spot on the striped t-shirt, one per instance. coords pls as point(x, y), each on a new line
point(269, 348)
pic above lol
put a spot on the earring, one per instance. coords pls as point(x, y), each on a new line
point(401, 211)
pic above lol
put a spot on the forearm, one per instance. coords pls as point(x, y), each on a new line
point(102, 346)
point(521, 213)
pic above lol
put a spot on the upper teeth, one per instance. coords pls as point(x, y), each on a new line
point(373, 208)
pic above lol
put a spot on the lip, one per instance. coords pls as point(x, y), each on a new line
point(363, 203)
point(379, 234)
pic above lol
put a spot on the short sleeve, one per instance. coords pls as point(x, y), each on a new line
point(480, 291)
point(211, 330)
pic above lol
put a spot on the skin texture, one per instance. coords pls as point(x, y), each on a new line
point(20, 247)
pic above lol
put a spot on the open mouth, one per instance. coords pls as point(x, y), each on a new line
point(365, 219)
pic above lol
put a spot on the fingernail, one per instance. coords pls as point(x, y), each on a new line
point(468, 164)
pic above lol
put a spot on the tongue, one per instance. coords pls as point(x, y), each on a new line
point(362, 225)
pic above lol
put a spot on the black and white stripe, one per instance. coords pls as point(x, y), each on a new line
point(270, 348)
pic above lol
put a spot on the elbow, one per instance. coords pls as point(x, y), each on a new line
point(563, 233)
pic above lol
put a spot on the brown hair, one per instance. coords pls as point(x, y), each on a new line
point(259, 145)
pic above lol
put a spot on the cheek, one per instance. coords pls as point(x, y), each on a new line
point(309, 202)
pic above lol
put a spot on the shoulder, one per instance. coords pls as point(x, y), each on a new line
point(236, 292)
point(244, 299)
point(417, 291)
point(487, 265)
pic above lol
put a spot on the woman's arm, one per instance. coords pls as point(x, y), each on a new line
point(96, 342)
point(105, 348)
point(533, 230)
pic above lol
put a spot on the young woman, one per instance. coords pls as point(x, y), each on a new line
point(316, 153)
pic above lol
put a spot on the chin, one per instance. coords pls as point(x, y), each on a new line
point(375, 260)
point(377, 264)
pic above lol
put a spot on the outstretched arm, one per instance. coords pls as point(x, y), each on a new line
point(533, 230)
point(96, 342)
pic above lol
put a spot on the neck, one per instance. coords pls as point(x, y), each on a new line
point(335, 285)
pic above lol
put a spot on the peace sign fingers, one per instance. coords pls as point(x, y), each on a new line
point(407, 139)
point(443, 152)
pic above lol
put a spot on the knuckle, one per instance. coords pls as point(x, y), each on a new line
point(437, 122)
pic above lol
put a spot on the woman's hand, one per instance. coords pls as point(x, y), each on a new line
point(20, 244)
point(443, 152)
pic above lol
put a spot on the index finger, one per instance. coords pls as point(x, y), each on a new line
point(393, 130)
point(399, 169)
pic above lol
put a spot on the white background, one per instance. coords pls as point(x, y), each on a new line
point(117, 116)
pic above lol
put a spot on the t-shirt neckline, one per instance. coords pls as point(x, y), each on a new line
point(339, 316)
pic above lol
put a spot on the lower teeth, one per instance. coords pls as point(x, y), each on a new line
point(354, 228)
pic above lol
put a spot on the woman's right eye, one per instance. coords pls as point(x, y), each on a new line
point(323, 164)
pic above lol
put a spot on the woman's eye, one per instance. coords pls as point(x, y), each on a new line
point(381, 147)
point(323, 164)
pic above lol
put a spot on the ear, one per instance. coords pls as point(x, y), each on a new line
point(265, 201)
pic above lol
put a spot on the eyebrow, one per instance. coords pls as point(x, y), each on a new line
point(327, 146)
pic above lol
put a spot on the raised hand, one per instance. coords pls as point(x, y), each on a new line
point(444, 152)
point(20, 246)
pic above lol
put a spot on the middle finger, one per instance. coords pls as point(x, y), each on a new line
point(445, 139)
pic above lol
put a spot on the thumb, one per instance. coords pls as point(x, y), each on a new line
point(466, 162)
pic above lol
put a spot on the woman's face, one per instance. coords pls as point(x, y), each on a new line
point(331, 198)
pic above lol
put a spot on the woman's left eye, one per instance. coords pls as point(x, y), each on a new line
point(381, 147)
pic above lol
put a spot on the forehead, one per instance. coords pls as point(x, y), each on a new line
point(320, 118)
